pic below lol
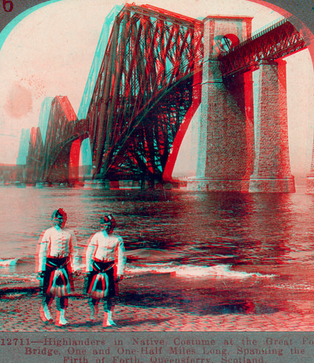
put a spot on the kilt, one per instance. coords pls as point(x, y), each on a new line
point(100, 282)
point(57, 279)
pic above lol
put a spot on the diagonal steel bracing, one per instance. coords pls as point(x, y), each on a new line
point(143, 90)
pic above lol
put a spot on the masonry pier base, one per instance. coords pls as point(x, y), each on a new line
point(215, 185)
point(310, 184)
point(272, 185)
point(258, 185)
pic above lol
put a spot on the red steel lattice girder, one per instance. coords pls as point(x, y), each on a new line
point(149, 54)
point(278, 41)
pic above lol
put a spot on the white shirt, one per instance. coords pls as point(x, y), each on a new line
point(57, 242)
point(106, 248)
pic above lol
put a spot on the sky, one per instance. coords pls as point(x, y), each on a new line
point(51, 50)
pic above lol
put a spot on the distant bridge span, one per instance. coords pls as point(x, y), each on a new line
point(54, 155)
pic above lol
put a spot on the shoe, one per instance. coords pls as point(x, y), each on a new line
point(61, 320)
point(45, 314)
point(108, 320)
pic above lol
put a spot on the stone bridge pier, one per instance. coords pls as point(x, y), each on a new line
point(236, 152)
point(272, 171)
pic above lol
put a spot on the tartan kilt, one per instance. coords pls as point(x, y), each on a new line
point(57, 279)
point(100, 282)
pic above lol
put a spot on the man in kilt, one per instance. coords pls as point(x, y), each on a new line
point(57, 254)
point(104, 267)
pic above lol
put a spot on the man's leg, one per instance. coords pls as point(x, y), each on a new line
point(94, 306)
point(44, 310)
point(108, 309)
point(62, 304)
point(109, 300)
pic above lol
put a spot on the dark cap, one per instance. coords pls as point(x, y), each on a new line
point(108, 219)
point(59, 212)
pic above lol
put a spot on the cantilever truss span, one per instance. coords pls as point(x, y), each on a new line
point(63, 128)
point(148, 82)
point(143, 90)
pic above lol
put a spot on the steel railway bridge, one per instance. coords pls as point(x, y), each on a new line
point(148, 88)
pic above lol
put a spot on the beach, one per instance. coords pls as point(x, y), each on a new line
point(162, 302)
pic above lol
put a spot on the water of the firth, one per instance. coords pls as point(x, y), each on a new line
point(194, 234)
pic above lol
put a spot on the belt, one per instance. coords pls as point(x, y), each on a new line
point(60, 255)
point(103, 260)
point(55, 264)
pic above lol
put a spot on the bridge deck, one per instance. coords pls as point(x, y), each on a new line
point(278, 41)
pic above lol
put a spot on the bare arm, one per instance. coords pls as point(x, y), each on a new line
point(42, 248)
point(74, 252)
point(120, 257)
point(91, 247)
